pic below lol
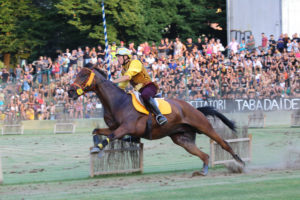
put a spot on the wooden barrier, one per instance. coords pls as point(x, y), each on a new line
point(119, 158)
point(1, 173)
point(256, 120)
point(240, 142)
point(12, 129)
point(64, 128)
point(220, 156)
point(295, 119)
point(63, 123)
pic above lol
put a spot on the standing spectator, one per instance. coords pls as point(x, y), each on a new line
point(250, 45)
point(289, 46)
point(295, 45)
point(189, 45)
point(272, 44)
point(132, 49)
point(264, 42)
point(122, 44)
point(154, 50)
point(285, 39)
point(5, 76)
point(86, 55)
point(169, 47)
point(65, 64)
point(73, 59)
point(79, 56)
point(146, 49)
point(199, 45)
point(18, 72)
point(179, 47)
point(242, 46)
point(162, 49)
point(100, 53)
point(280, 43)
point(140, 50)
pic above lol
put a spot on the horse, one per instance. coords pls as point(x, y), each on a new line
point(121, 118)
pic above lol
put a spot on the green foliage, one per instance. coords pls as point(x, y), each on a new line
point(16, 18)
point(123, 18)
point(40, 27)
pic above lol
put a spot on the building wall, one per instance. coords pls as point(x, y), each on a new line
point(256, 16)
point(290, 17)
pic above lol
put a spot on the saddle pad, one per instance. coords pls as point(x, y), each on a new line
point(164, 106)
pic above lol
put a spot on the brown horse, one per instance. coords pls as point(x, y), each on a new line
point(122, 119)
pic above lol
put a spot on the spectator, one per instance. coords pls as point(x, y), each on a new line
point(250, 45)
point(264, 42)
point(162, 49)
point(233, 46)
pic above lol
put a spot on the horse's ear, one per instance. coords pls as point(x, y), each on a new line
point(89, 65)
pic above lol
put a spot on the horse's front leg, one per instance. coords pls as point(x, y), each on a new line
point(116, 134)
point(102, 131)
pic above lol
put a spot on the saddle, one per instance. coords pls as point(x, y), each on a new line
point(138, 104)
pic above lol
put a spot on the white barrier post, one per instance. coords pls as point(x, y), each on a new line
point(1, 174)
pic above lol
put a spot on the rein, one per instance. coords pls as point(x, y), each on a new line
point(88, 83)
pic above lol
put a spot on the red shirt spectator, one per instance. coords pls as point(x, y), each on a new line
point(264, 41)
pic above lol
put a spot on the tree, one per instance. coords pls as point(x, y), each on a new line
point(158, 16)
point(123, 18)
point(194, 17)
point(16, 17)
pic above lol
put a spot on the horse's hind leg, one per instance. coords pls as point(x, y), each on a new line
point(187, 141)
point(208, 130)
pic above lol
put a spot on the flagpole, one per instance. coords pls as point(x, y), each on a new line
point(107, 61)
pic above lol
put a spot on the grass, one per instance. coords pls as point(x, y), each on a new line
point(263, 186)
point(40, 165)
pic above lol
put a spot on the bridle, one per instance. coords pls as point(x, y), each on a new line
point(88, 83)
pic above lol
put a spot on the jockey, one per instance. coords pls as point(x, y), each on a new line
point(134, 72)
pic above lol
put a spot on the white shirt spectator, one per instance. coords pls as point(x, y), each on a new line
point(233, 46)
point(150, 59)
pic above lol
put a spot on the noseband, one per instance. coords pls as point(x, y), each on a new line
point(86, 84)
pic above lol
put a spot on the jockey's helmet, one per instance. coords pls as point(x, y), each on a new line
point(123, 52)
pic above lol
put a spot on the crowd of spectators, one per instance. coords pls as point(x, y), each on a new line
point(189, 70)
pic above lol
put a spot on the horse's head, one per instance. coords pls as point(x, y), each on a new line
point(83, 83)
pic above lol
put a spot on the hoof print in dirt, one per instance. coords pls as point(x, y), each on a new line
point(198, 173)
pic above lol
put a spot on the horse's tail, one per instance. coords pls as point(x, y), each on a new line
point(208, 110)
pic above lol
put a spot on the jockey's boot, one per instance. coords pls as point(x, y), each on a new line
point(161, 120)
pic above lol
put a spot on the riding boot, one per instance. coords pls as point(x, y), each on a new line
point(161, 120)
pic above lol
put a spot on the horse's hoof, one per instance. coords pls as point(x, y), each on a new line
point(95, 150)
point(204, 170)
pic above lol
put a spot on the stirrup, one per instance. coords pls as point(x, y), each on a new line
point(161, 120)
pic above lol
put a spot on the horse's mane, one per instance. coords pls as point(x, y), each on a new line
point(101, 72)
point(94, 66)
